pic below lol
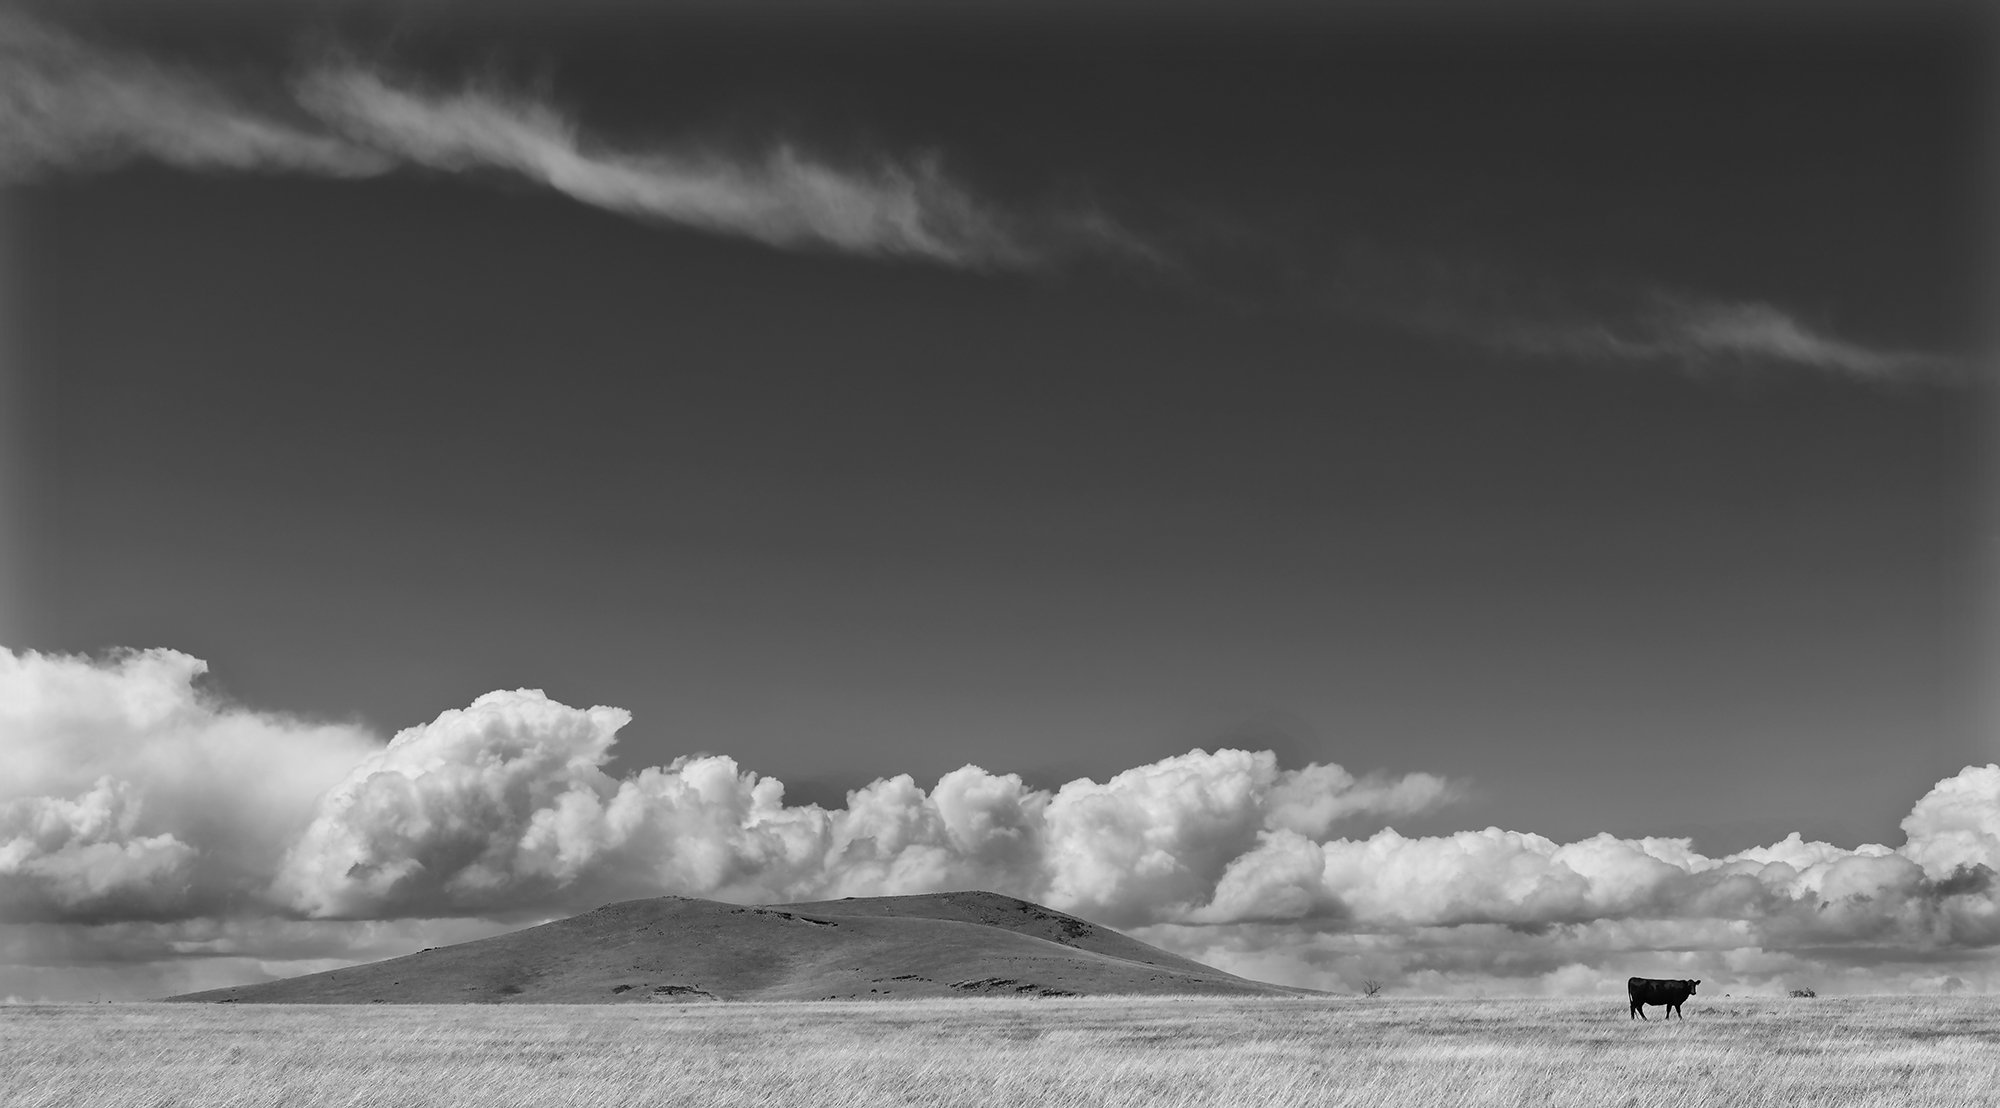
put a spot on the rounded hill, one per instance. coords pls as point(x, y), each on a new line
point(676, 949)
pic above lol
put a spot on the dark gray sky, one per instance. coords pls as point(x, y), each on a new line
point(1398, 433)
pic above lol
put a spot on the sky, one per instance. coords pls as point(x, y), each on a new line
point(1490, 500)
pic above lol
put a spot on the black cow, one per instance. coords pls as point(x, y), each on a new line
point(1647, 990)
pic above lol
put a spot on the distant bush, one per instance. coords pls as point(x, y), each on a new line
point(1370, 988)
point(1803, 994)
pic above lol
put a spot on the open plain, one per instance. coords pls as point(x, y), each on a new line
point(1021, 1053)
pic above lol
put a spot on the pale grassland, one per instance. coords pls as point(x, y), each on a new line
point(1020, 1053)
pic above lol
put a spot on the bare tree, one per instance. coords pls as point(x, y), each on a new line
point(1371, 987)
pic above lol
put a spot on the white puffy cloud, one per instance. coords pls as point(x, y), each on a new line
point(129, 792)
point(443, 812)
point(60, 856)
point(137, 796)
point(1152, 842)
point(143, 815)
point(504, 805)
point(1517, 912)
point(1957, 824)
point(1793, 892)
point(1586, 959)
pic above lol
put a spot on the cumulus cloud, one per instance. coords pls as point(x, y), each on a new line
point(1498, 906)
point(149, 819)
point(83, 855)
point(129, 792)
point(138, 796)
point(505, 804)
point(1957, 824)
point(1579, 961)
point(149, 823)
point(1793, 892)
point(68, 105)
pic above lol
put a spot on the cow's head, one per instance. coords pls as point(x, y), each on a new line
point(1691, 985)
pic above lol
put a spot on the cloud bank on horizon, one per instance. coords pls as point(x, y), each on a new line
point(71, 106)
point(147, 825)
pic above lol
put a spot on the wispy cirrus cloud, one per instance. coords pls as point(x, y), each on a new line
point(1525, 311)
point(68, 105)
point(1701, 334)
point(783, 197)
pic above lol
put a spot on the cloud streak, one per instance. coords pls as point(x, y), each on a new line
point(782, 198)
point(1705, 334)
point(145, 819)
point(70, 106)
point(1521, 311)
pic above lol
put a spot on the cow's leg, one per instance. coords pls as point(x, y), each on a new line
point(1638, 1009)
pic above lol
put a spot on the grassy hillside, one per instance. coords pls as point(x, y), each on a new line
point(676, 949)
point(1122, 1052)
point(1011, 914)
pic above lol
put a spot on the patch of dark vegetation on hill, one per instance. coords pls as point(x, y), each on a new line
point(680, 949)
point(1008, 985)
point(662, 992)
point(786, 915)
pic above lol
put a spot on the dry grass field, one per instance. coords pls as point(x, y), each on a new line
point(1253, 1053)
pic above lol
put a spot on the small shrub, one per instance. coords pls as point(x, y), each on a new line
point(1803, 994)
point(1371, 987)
